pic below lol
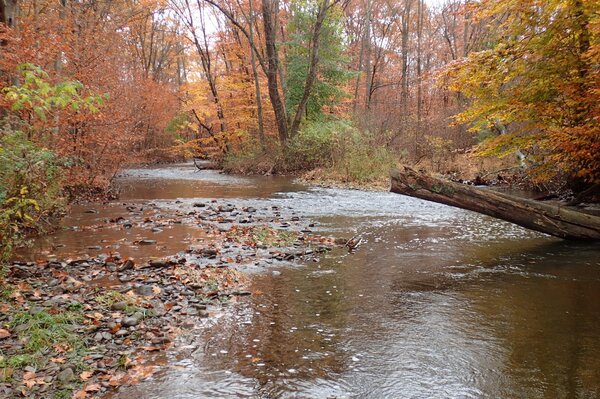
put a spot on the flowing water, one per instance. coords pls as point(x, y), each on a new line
point(437, 302)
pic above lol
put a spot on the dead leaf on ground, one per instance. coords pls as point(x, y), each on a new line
point(85, 375)
point(92, 387)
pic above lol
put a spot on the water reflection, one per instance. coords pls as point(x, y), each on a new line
point(438, 303)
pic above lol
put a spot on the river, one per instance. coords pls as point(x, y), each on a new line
point(437, 303)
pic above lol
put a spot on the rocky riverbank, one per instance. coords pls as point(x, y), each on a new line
point(83, 326)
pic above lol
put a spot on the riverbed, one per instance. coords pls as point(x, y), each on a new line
point(437, 302)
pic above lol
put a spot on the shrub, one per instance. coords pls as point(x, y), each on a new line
point(30, 187)
point(343, 152)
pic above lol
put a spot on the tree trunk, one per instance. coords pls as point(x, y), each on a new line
point(418, 130)
point(8, 12)
point(270, 8)
point(257, 95)
point(555, 220)
point(367, 44)
point(404, 50)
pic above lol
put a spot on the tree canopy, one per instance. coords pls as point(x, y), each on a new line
point(536, 84)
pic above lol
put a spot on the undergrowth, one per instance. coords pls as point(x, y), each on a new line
point(336, 149)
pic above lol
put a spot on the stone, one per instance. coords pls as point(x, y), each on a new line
point(119, 306)
point(130, 321)
point(127, 265)
point(208, 252)
point(160, 340)
point(147, 242)
point(66, 375)
point(158, 263)
point(145, 290)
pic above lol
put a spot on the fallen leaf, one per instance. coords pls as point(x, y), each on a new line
point(116, 328)
point(92, 387)
point(59, 360)
point(28, 375)
point(152, 348)
point(85, 375)
point(81, 394)
point(4, 333)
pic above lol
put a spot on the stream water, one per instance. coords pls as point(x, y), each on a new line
point(437, 302)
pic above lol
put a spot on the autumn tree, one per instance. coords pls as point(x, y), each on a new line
point(535, 88)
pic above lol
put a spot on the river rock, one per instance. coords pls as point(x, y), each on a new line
point(127, 265)
point(119, 306)
point(226, 208)
point(146, 242)
point(66, 375)
point(145, 290)
point(209, 252)
point(130, 321)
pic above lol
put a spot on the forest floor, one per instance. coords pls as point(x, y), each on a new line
point(82, 327)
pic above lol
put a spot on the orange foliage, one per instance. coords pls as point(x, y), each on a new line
point(100, 44)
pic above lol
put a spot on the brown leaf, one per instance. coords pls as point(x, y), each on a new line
point(85, 375)
point(81, 394)
point(92, 387)
point(4, 333)
point(152, 348)
point(116, 328)
point(28, 375)
point(29, 379)
point(59, 360)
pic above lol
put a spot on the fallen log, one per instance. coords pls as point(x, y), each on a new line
point(202, 164)
point(556, 220)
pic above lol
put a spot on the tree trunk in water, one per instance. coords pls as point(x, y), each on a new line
point(555, 220)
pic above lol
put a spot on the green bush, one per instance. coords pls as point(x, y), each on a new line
point(30, 187)
point(333, 147)
point(341, 150)
point(315, 145)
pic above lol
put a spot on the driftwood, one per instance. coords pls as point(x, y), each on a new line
point(202, 164)
point(556, 220)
